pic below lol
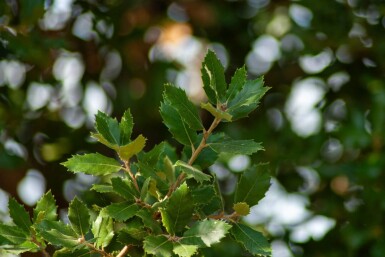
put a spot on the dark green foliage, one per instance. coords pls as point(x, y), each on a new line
point(162, 206)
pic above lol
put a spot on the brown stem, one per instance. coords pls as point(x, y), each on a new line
point(124, 251)
point(94, 249)
point(221, 216)
point(195, 154)
point(45, 253)
point(128, 169)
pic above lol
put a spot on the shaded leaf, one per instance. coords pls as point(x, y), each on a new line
point(159, 246)
point(121, 211)
point(178, 99)
point(12, 234)
point(216, 74)
point(92, 164)
point(103, 230)
point(108, 128)
point(247, 147)
point(45, 208)
point(253, 184)
point(207, 86)
point(64, 252)
point(147, 217)
point(135, 229)
point(79, 216)
point(178, 211)
point(177, 127)
point(57, 233)
point(19, 215)
point(207, 231)
point(252, 240)
point(192, 172)
point(125, 188)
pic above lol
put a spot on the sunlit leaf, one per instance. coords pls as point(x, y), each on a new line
point(92, 164)
point(159, 246)
point(132, 148)
point(45, 208)
point(207, 232)
point(103, 230)
point(184, 250)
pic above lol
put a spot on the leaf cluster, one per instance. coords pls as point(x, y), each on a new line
point(163, 205)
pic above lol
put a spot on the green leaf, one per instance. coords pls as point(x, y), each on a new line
point(19, 215)
point(184, 250)
point(192, 172)
point(178, 99)
point(126, 125)
point(159, 246)
point(253, 184)
point(134, 229)
point(92, 164)
point(207, 232)
point(221, 115)
point(107, 127)
point(26, 246)
point(247, 147)
point(147, 217)
point(125, 188)
point(64, 252)
point(177, 127)
point(79, 216)
point(252, 240)
point(12, 234)
point(121, 211)
point(207, 86)
point(45, 208)
point(236, 84)
point(57, 233)
point(247, 99)
point(169, 170)
point(102, 188)
point(127, 151)
point(216, 74)
point(242, 208)
point(103, 230)
point(31, 11)
point(179, 210)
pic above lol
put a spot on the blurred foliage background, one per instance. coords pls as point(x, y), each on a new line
point(322, 124)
